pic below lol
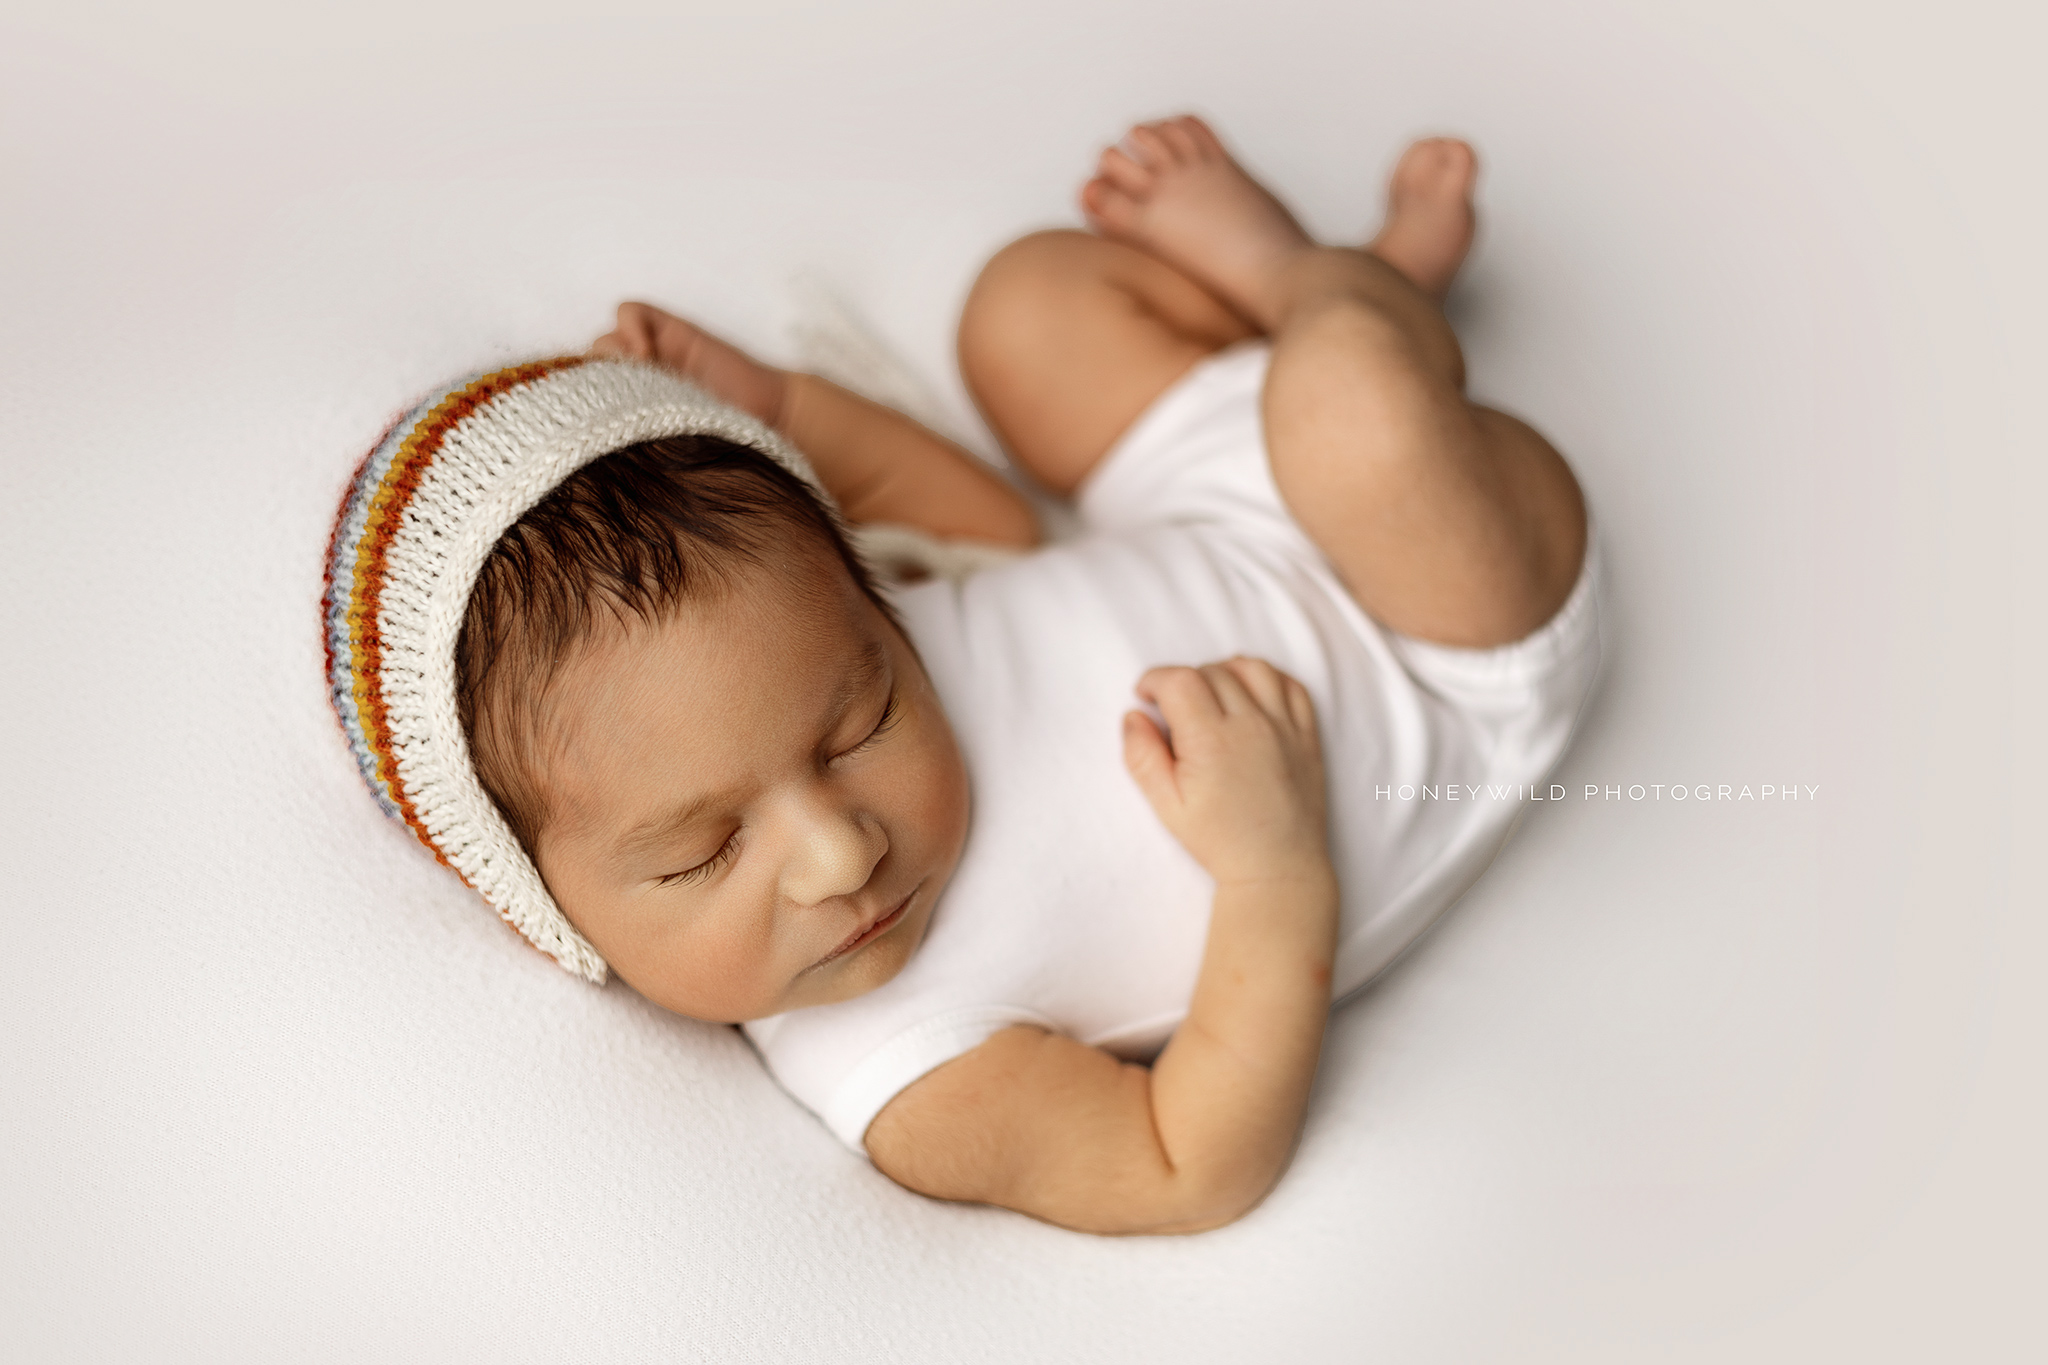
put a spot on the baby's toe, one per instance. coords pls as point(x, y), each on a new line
point(1180, 140)
point(1208, 146)
point(1109, 209)
point(1152, 147)
point(1120, 169)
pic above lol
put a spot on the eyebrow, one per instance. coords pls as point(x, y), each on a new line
point(657, 830)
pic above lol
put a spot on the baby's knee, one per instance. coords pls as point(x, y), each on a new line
point(1021, 296)
point(1037, 256)
point(1033, 272)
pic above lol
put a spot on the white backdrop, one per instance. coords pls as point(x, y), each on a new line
point(1697, 1082)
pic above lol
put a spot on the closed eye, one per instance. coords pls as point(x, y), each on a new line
point(890, 715)
point(703, 871)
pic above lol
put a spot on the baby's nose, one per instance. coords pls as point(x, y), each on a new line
point(834, 857)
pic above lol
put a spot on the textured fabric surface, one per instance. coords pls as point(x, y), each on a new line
point(1686, 1082)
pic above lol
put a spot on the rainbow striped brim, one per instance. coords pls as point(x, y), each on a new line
point(420, 517)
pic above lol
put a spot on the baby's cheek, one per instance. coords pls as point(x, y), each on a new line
point(709, 971)
point(946, 803)
point(935, 787)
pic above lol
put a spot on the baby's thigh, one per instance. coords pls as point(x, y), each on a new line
point(1447, 521)
point(1067, 337)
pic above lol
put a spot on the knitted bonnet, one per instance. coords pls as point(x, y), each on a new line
point(419, 520)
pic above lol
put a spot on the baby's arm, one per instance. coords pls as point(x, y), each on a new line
point(879, 465)
point(1062, 1131)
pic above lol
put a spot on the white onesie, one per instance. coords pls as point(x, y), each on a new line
point(1072, 907)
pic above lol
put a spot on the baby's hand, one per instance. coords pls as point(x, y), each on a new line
point(647, 333)
point(1241, 784)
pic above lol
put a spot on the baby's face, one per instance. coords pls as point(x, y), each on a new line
point(755, 803)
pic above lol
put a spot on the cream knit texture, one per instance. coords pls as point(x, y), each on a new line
point(423, 514)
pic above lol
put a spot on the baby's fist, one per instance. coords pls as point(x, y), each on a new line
point(1240, 784)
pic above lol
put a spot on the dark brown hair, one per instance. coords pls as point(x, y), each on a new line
point(628, 537)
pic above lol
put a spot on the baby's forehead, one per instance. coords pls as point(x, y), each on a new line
point(804, 606)
point(765, 654)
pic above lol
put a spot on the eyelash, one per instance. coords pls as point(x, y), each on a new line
point(691, 876)
point(890, 714)
point(731, 847)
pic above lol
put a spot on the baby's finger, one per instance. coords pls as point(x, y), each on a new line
point(1301, 707)
point(1266, 683)
point(1183, 695)
point(1149, 759)
point(1230, 690)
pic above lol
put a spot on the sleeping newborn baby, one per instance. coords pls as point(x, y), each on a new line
point(1030, 882)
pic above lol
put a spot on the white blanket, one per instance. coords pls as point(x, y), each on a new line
point(1705, 1080)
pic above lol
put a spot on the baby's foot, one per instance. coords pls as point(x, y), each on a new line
point(1171, 189)
point(1429, 213)
point(647, 333)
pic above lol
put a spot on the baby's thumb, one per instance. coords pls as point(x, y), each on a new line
point(1148, 758)
point(632, 338)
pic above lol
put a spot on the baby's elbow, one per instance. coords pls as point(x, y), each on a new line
point(1176, 1219)
point(1176, 1203)
point(1161, 1196)
point(1215, 1203)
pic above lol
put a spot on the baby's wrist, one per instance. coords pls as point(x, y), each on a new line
point(1283, 911)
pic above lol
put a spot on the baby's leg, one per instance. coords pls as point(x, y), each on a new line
point(1448, 521)
point(1067, 337)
